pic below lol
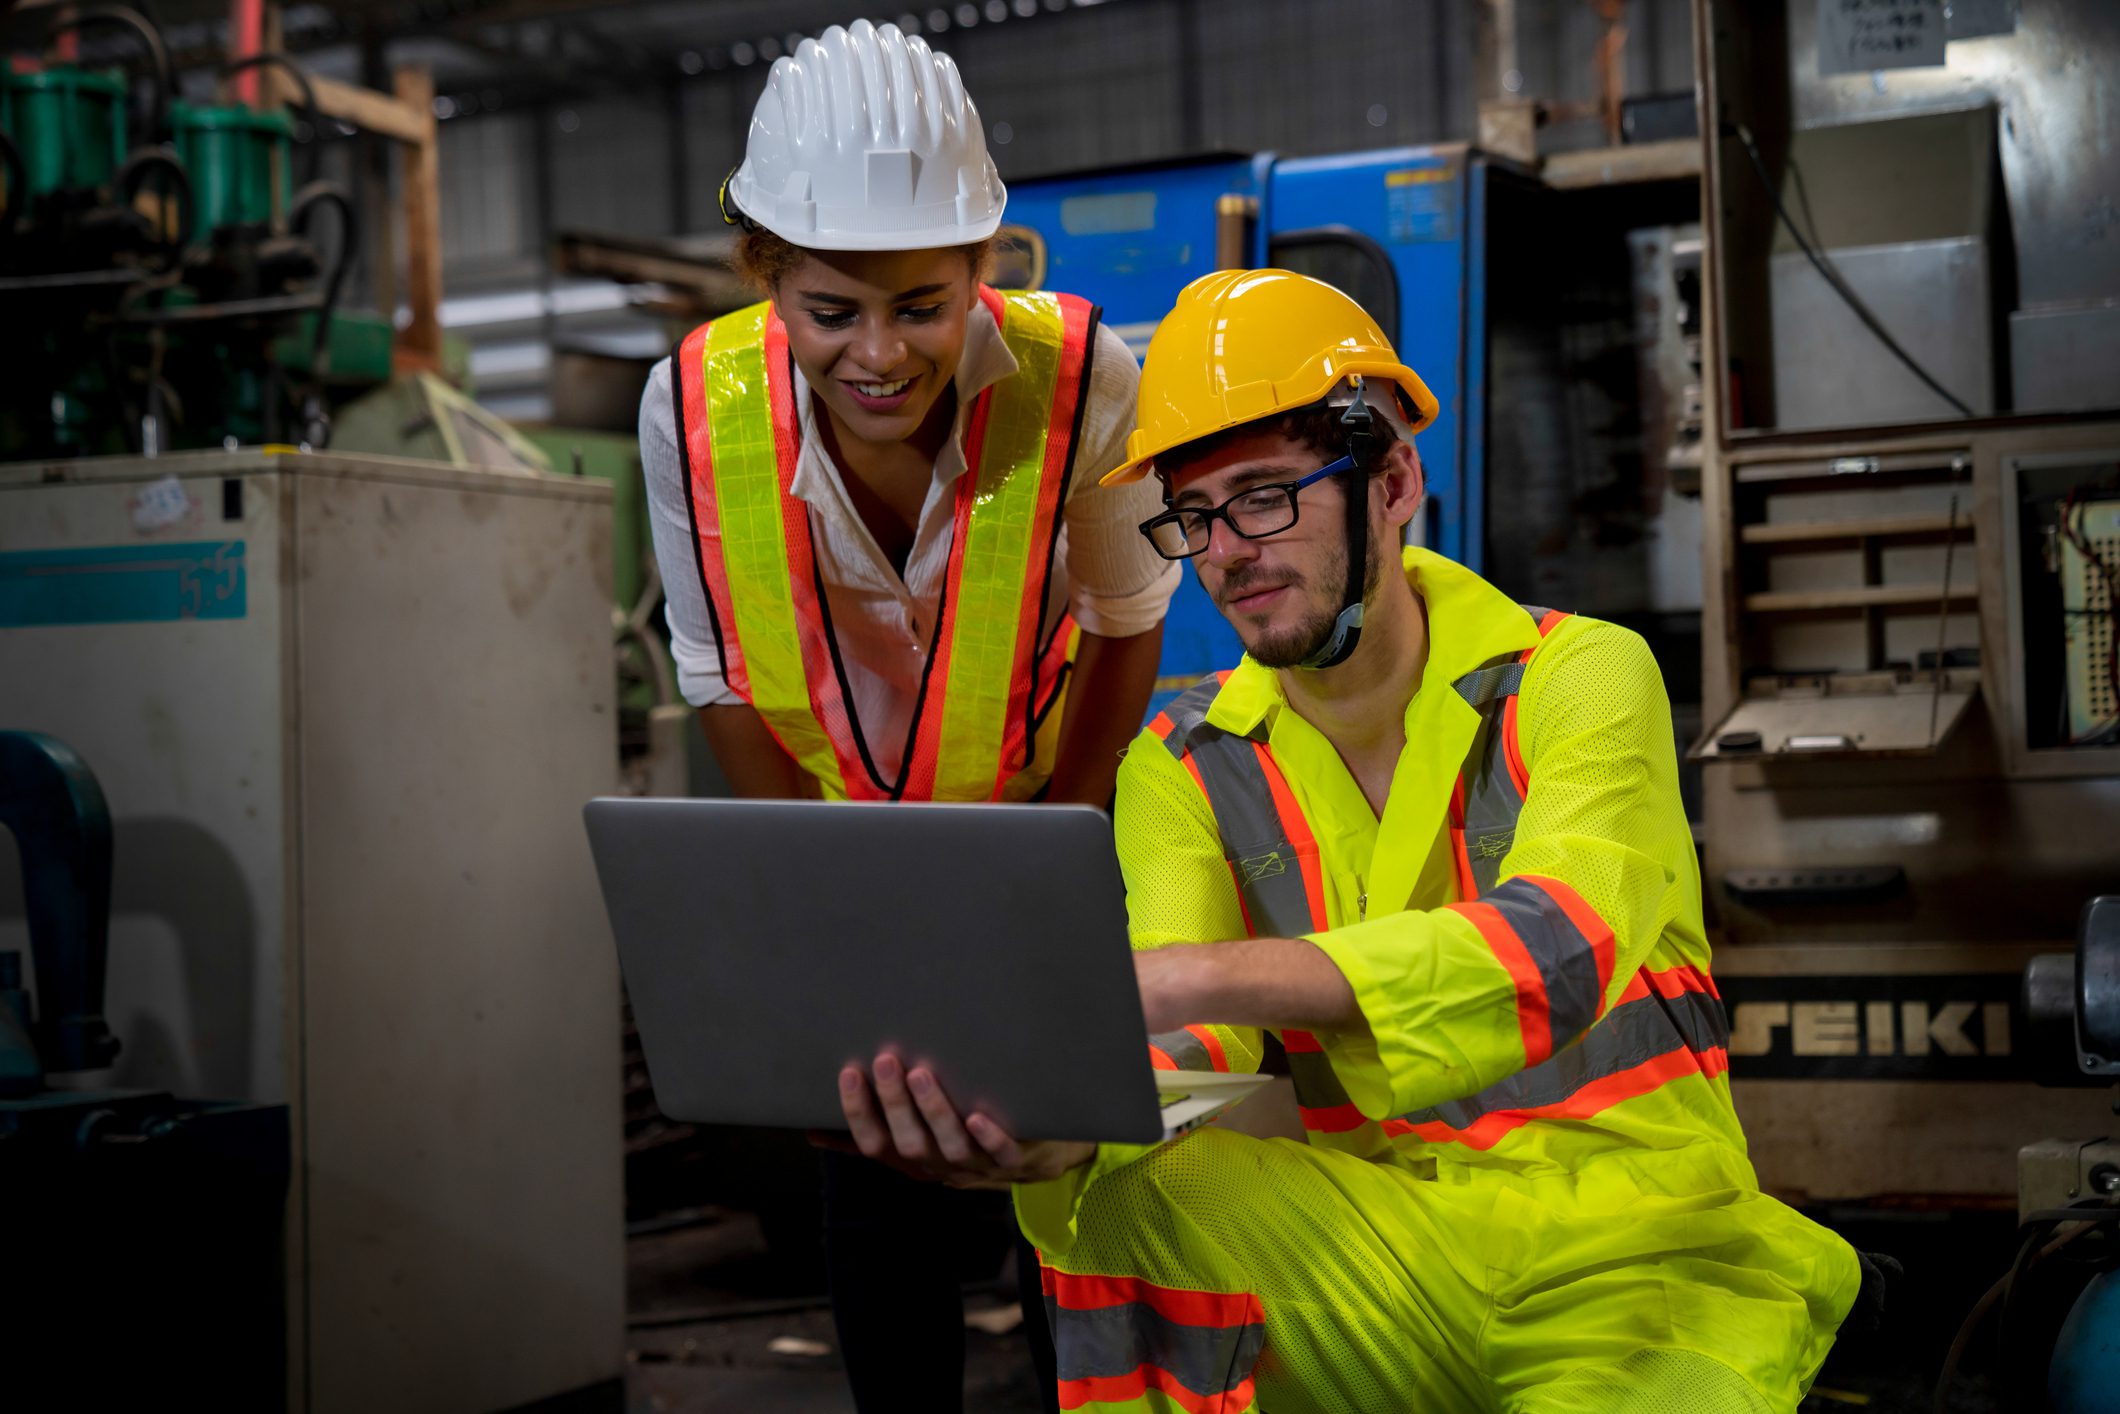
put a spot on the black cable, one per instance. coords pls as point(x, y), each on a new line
point(160, 159)
point(1833, 279)
point(313, 153)
point(139, 24)
point(17, 186)
point(307, 200)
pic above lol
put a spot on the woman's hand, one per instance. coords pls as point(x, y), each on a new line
point(902, 1118)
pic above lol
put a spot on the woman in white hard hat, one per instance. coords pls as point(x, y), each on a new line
point(887, 578)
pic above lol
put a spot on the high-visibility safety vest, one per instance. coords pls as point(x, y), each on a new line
point(997, 666)
point(1581, 1056)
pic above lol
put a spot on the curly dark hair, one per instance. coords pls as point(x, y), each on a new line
point(764, 259)
point(1316, 427)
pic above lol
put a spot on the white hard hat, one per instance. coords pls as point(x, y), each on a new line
point(865, 140)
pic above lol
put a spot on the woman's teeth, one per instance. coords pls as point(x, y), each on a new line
point(883, 390)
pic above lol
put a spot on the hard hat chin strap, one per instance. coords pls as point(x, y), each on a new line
point(1358, 427)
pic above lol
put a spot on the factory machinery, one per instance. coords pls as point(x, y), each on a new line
point(309, 1073)
point(1910, 758)
point(172, 269)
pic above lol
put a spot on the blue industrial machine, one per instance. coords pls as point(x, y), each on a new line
point(140, 1222)
point(1403, 230)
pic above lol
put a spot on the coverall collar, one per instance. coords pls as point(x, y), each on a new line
point(1470, 622)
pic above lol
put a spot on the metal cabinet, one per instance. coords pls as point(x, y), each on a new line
point(346, 712)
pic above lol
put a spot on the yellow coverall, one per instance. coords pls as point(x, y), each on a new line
point(1611, 1251)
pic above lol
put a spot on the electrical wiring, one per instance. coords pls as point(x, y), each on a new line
point(2072, 531)
point(1832, 276)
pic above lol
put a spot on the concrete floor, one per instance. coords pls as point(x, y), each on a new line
point(708, 1303)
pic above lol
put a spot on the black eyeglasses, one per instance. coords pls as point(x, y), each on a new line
point(1254, 513)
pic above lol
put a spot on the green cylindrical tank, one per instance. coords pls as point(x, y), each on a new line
point(238, 161)
point(68, 124)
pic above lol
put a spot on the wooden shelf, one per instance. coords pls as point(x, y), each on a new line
point(1937, 465)
point(1876, 596)
point(1874, 527)
point(1675, 160)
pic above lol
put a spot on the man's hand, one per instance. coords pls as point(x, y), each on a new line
point(904, 1119)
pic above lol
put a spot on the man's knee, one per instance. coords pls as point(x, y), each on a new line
point(1648, 1382)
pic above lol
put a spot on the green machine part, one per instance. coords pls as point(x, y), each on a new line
point(67, 123)
point(358, 347)
point(239, 162)
point(612, 457)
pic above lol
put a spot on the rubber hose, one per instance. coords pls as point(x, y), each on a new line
point(157, 51)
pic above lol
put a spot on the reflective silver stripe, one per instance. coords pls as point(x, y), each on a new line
point(1317, 1086)
point(1501, 678)
point(1188, 712)
point(1492, 804)
point(1184, 1049)
point(1631, 1034)
point(1111, 1342)
point(1492, 801)
point(1253, 839)
point(1567, 965)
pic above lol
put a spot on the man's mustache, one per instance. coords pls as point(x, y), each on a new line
point(1244, 582)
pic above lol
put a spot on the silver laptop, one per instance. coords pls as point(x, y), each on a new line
point(767, 943)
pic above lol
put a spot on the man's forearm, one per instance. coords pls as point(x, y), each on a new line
point(1272, 982)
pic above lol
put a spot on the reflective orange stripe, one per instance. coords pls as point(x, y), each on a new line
point(1299, 837)
point(699, 447)
point(1323, 1118)
point(1597, 1096)
point(1533, 1014)
point(1671, 983)
point(1120, 1389)
point(1161, 726)
point(1215, 1054)
point(1468, 887)
point(1214, 1336)
point(1160, 1059)
point(1512, 758)
point(1512, 755)
point(1077, 1292)
point(827, 704)
point(1332, 1119)
point(927, 743)
point(1032, 666)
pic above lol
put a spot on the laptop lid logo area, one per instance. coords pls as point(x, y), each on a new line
point(766, 943)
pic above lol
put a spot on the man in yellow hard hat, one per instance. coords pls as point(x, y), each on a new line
point(1431, 840)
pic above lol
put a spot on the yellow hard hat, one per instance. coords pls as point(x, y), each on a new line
point(1240, 345)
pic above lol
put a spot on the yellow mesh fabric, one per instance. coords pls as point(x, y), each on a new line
point(1383, 1291)
point(1650, 1382)
point(1439, 1275)
point(1347, 1327)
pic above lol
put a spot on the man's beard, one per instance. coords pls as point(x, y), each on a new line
point(1296, 644)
